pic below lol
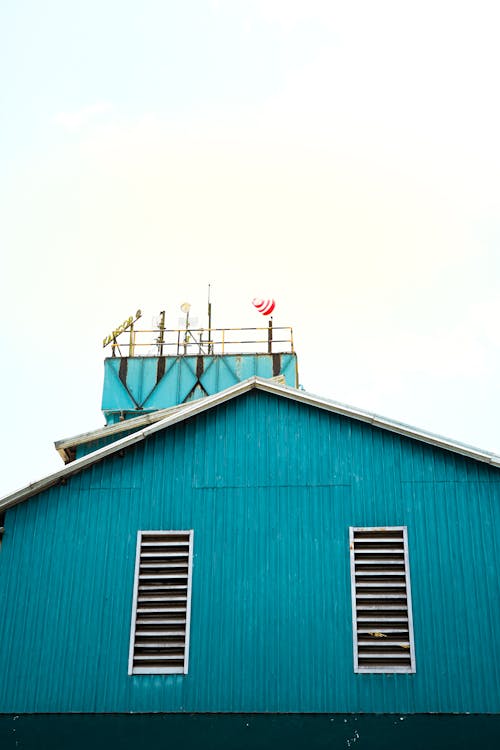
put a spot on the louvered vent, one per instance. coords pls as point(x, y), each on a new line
point(160, 617)
point(381, 600)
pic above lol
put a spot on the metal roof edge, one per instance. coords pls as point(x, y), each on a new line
point(383, 422)
point(114, 429)
point(266, 385)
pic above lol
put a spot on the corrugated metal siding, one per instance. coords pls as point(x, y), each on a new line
point(270, 488)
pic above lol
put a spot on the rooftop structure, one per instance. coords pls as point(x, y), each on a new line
point(154, 369)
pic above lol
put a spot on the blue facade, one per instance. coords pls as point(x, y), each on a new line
point(270, 487)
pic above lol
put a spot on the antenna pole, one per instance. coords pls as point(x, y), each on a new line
point(210, 344)
point(161, 337)
point(131, 346)
point(186, 337)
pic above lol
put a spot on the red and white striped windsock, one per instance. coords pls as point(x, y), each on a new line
point(264, 306)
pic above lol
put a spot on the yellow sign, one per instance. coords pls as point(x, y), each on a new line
point(121, 328)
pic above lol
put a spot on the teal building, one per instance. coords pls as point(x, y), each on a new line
point(233, 562)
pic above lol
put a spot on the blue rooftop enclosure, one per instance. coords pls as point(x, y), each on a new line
point(157, 369)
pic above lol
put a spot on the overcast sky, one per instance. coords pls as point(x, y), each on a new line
point(341, 157)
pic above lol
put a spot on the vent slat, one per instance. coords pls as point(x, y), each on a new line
point(385, 631)
point(389, 656)
point(159, 577)
point(378, 601)
point(377, 540)
point(160, 611)
point(377, 585)
point(385, 641)
point(391, 660)
point(383, 619)
point(162, 587)
point(384, 563)
point(378, 551)
point(164, 565)
point(164, 645)
point(163, 621)
point(174, 601)
point(166, 555)
point(380, 607)
point(157, 657)
point(389, 575)
point(165, 545)
point(157, 633)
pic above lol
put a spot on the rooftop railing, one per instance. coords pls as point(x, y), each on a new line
point(127, 341)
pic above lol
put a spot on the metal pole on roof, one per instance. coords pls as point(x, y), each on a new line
point(161, 337)
point(185, 308)
point(210, 345)
point(132, 341)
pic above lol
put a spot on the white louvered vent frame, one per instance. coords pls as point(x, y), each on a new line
point(159, 634)
point(381, 600)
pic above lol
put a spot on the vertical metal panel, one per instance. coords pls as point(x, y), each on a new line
point(271, 488)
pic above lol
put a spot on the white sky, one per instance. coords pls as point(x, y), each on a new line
point(343, 158)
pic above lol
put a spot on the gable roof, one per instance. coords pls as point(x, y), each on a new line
point(179, 414)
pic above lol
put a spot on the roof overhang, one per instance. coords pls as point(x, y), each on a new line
point(67, 447)
point(193, 408)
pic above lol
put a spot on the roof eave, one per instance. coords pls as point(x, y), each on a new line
point(67, 446)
